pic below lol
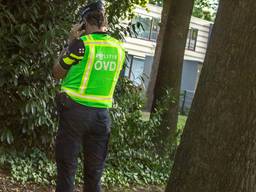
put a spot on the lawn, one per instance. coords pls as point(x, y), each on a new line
point(181, 119)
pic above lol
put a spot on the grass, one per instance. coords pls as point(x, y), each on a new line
point(145, 116)
point(181, 121)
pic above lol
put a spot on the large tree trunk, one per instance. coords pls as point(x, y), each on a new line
point(218, 147)
point(167, 67)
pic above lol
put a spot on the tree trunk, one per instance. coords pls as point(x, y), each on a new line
point(167, 68)
point(158, 51)
point(218, 147)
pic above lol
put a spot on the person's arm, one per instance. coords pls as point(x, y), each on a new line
point(58, 71)
point(71, 55)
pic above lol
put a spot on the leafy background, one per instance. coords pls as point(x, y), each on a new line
point(31, 36)
point(32, 33)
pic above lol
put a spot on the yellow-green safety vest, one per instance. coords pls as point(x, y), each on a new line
point(92, 81)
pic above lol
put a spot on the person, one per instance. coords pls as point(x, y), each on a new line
point(90, 68)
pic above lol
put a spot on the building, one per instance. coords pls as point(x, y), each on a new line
point(141, 48)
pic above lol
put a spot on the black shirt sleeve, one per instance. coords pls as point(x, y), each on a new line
point(73, 55)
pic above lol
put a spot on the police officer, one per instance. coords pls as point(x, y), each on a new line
point(90, 68)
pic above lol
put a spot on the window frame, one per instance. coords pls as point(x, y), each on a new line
point(190, 39)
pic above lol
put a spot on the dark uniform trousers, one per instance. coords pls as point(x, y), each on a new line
point(80, 126)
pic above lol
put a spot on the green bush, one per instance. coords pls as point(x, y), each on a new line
point(133, 155)
point(31, 34)
point(133, 148)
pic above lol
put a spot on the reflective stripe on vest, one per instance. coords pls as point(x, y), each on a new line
point(88, 67)
point(87, 97)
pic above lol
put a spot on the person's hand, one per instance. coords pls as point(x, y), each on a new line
point(75, 32)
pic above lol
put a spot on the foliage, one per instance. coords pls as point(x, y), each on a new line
point(156, 2)
point(133, 153)
point(29, 41)
point(205, 9)
point(32, 165)
point(32, 33)
point(119, 11)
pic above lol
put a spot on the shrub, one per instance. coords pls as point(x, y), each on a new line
point(133, 157)
point(31, 36)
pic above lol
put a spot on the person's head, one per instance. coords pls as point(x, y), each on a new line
point(93, 17)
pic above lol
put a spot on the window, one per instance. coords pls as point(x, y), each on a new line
point(150, 26)
point(146, 23)
point(192, 38)
point(155, 29)
point(134, 69)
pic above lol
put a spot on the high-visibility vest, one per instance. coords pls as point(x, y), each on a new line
point(92, 81)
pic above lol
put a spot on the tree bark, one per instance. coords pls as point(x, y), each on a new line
point(167, 67)
point(218, 147)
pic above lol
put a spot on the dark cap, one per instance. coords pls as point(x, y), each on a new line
point(95, 6)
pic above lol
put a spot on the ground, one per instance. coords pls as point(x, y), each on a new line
point(7, 185)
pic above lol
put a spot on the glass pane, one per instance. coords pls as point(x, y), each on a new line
point(146, 23)
point(192, 44)
point(155, 29)
point(194, 34)
point(127, 65)
point(137, 70)
point(192, 38)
